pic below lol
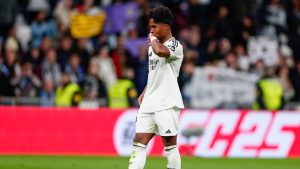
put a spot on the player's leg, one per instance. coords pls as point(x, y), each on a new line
point(145, 129)
point(167, 122)
point(172, 152)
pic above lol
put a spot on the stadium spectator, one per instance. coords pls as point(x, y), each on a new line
point(245, 29)
point(185, 77)
point(269, 92)
point(230, 61)
point(74, 69)
point(106, 68)
point(62, 14)
point(34, 57)
point(121, 57)
point(8, 13)
point(27, 84)
point(40, 28)
point(93, 86)
point(100, 41)
point(242, 57)
point(123, 94)
point(50, 68)
point(141, 69)
point(11, 42)
point(223, 23)
point(283, 75)
point(10, 69)
point(274, 19)
point(64, 51)
point(68, 93)
point(47, 94)
point(193, 42)
point(258, 68)
point(142, 24)
point(81, 49)
point(46, 44)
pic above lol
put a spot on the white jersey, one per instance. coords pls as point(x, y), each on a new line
point(162, 90)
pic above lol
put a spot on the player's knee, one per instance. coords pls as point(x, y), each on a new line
point(142, 138)
point(169, 140)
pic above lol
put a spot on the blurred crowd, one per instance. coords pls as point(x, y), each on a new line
point(42, 50)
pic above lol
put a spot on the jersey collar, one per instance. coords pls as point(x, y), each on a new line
point(169, 40)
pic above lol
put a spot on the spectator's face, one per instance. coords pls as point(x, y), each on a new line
point(225, 45)
point(11, 57)
point(27, 69)
point(51, 56)
point(247, 22)
point(65, 78)
point(189, 68)
point(239, 50)
point(191, 54)
point(132, 33)
point(284, 71)
point(74, 61)
point(103, 52)
point(35, 53)
point(66, 43)
point(88, 2)
point(13, 32)
point(259, 65)
point(223, 12)
point(184, 34)
point(120, 42)
point(68, 3)
point(129, 73)
point(102, 39)
point(93, 68)
point(46, 43)
point(82, 43)
point(230, 59)
point(48, 86)
point(41, 16)
point(194, 36)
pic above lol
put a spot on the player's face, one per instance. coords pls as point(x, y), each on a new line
point(159, 30)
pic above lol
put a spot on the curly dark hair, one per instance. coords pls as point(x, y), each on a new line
point(161, 14)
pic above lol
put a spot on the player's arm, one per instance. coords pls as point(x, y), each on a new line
point(140, 99)
point(158, 48)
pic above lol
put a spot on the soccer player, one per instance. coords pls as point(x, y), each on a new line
point(161, 101)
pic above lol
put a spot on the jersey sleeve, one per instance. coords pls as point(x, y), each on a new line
point(176, 51)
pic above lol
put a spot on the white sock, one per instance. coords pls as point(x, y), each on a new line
point(138, 156)
point(173, 156)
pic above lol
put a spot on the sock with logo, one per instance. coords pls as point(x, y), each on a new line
point(138, 156)
point(173, 156)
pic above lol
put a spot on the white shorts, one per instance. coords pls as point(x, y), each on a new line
point(163, 123)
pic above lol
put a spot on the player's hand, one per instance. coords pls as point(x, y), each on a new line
point(140, 99)
point(150, 36)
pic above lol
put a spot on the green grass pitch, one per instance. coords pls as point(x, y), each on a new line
point(97, 162)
